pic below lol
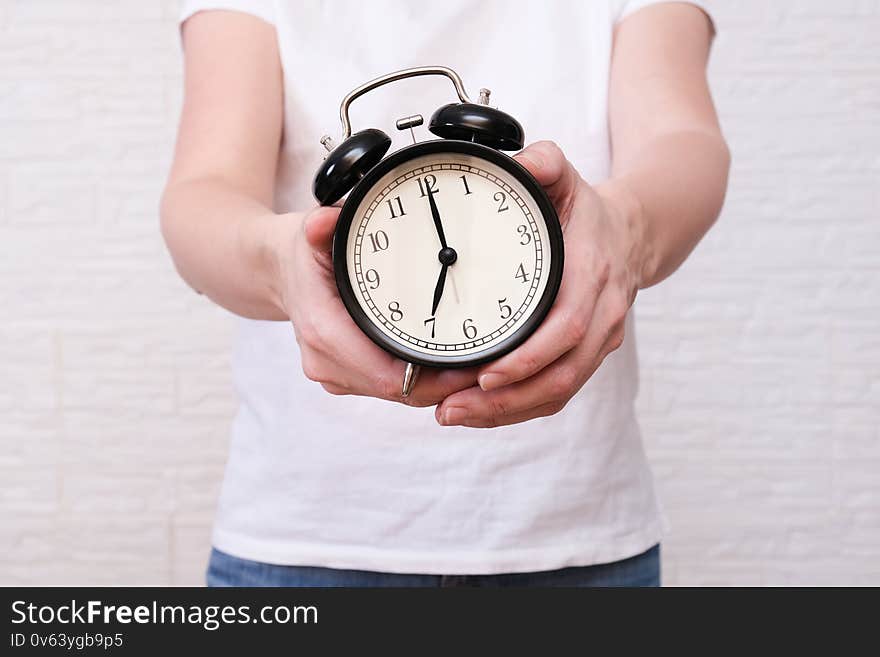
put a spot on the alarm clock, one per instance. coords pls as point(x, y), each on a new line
point(447, 252)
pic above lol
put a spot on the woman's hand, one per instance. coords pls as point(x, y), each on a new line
point(669, 175)
point(599, 284)
point(335, 352)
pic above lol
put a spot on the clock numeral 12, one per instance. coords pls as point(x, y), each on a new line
point(395, 202)
point(521, 274)
point(429, 185)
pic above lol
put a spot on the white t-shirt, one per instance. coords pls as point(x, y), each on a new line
point(353, 482)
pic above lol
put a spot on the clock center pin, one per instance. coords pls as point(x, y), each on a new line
point(447, 256)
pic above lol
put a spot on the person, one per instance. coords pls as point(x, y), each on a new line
point(526, 471)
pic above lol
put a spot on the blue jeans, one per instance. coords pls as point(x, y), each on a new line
point(226, 570)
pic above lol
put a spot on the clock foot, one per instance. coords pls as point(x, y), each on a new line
point(409, 378)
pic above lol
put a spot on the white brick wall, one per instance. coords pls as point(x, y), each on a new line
point(760, 358)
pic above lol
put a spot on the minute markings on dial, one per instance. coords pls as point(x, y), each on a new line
point(510, 316)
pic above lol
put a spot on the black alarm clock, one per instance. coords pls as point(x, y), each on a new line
point(447, 253)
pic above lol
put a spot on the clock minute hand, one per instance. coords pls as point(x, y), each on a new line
point(436, 215)
point(438, 289)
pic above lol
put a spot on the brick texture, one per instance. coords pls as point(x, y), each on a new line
point(760, 395)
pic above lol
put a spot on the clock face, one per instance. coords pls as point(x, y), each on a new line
point(450, 258)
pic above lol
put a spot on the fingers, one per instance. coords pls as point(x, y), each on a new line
point(339, 356)
point(433, 386)
point(383, 380)
point(513, 418)
point(544, 160)
point(475, 408)
point(544, 394)
point(559, 333)
point(319, 225)
point(549, 390)
point(336, 353)
point(547, 163)
point(564, 328)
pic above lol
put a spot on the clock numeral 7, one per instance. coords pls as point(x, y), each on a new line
point(429, 185)
point(378, 240)
point(431, 321)
point(395, 202)
point(521, 274)
point(506, 310)
point(396, 312)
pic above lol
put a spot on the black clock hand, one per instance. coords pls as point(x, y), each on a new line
point(436, 214)
point(447, 256)
point(438, 290)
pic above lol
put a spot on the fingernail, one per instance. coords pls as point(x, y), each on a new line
point(453, 415)
point(491, 380)
point(536, 160)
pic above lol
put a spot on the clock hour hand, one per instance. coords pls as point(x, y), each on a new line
point(447, 257)
point(438, 289)
point(436, 215)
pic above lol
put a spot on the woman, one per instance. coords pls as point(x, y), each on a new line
point(528, 470)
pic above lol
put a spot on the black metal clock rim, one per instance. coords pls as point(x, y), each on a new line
point(340, 264)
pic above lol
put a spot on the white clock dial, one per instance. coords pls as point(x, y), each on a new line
point(501, 245)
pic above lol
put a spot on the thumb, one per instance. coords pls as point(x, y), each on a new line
point(319, 225)
point(547, 163)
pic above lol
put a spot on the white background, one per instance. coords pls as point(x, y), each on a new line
point(760, 358)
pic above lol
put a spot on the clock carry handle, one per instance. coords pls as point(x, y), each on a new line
point(347, 163)
point(394, 77)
